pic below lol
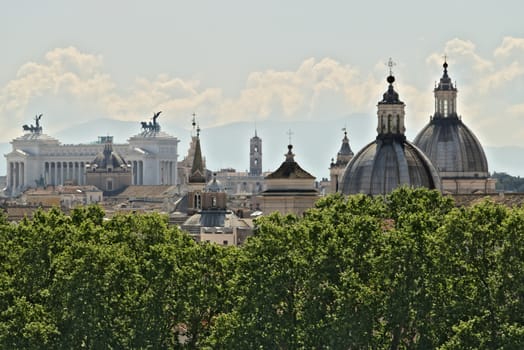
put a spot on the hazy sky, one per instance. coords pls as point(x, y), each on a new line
point(234, 61)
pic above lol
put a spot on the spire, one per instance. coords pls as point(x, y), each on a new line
point(345, 149)
point(193, 124)
point(197, 169)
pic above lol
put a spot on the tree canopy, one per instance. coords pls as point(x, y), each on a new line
point(405, 271)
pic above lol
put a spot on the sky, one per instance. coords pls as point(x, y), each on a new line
point(259, 62)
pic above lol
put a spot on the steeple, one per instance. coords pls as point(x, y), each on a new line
point(345, 150)
point(391, 112)
point(445, 96)
point(197, 169)
point(336, 169)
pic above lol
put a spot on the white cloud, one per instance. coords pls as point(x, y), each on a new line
point(65, 72)
point(509, 44)
point(516, 110)
point(298, 94)
point(461, 50)
point(489, 89)
point(69, 82)
point(502, 75)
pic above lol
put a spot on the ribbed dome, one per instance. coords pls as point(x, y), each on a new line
point(390, 161)
point(386, 164)
point(451, 146)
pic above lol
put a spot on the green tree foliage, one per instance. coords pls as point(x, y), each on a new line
point(508, 183)
point(404, 271)
point(131, 282)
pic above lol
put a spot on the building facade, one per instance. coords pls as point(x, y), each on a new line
point(289, 189)
point(39, 159)
point(109, 171)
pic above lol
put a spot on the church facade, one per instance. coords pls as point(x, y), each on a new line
point(37, 159)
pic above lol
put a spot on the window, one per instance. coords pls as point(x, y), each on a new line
point(198, 203)
point(256, 149)
point(224, 242)
point(256, 161)
point(445, 108)
point(109, 185)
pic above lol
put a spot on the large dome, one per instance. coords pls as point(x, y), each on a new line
point(451, 146)
point(386, 164)
point(390, 161)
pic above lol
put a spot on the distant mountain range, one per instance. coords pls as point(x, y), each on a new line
point(227, 146)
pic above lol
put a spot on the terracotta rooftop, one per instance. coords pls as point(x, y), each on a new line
point(148, 191)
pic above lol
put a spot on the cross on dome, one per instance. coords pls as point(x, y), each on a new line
point(390, 65)
point(289, 133)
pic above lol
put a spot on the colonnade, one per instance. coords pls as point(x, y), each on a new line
point(138, 172)
point(73, 172)
point(16, 175)
point(167, 172)
point(59, 173)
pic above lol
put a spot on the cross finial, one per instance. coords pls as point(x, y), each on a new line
point(289, 133)
point(193, 123)
point(390, 65)
point(445, 57)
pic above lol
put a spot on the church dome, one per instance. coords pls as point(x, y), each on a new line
point(108, 158)
point(447, 141)
point(453, 148)
point(385, 164)
point(390, 161)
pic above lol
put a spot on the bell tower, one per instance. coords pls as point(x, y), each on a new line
point(255, 155)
